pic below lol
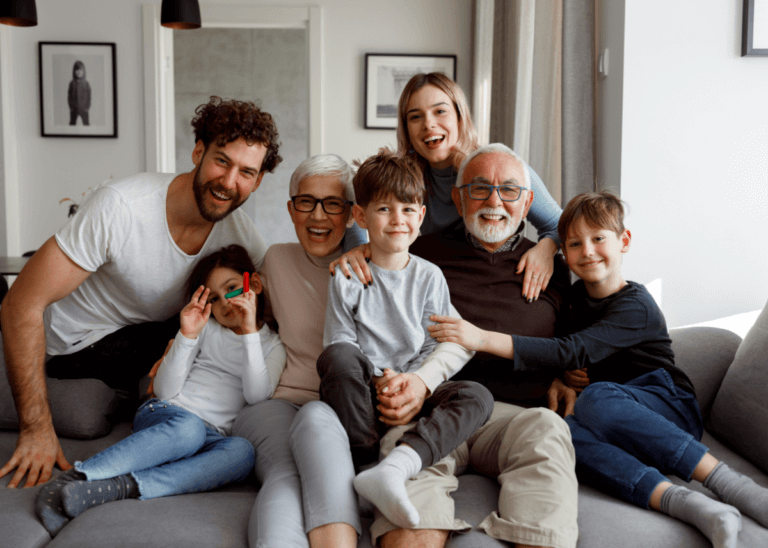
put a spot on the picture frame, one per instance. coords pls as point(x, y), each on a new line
point(385, 77)
point(78, 89)
point(754, 28)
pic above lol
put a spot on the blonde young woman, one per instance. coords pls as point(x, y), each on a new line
point(435, 128)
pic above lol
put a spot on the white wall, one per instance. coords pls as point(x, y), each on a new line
point(694, 158)
point(3, 238)
point(51, 169)
point(353, 28)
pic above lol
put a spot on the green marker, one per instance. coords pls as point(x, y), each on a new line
point(234, 293)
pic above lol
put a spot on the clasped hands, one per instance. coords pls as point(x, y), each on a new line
point(401, 396)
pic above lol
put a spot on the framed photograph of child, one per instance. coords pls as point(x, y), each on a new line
point(385, 77)
point(78, 89)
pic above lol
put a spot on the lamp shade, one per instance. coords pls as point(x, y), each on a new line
point(180, 14)
point(18, 13)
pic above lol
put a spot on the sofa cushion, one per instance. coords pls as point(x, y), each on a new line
point(218, 518)
point(704, 354)
point(740, 412)
point(629, 526)
point(80, 407)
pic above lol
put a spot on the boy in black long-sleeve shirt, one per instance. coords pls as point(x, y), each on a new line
point(637, 417)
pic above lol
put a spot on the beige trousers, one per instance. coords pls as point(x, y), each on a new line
point(531, 454)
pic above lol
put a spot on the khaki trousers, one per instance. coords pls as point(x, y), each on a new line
point(531, 454)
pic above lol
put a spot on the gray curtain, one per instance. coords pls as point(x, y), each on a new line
point(542, 95)
point(578, 122)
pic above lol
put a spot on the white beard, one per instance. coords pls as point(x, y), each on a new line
point(491, 234)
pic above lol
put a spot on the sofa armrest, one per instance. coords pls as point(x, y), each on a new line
point(739, 413)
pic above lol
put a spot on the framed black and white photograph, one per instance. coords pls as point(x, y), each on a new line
point(385, 77)
point(78, 89)
point(754, 30)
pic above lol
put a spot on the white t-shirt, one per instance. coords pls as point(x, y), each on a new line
point(120, 234)
point(217, 374)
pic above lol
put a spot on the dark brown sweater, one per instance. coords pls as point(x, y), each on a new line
point(486, 291)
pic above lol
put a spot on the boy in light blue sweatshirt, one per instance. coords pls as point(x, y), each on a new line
point(377, 343)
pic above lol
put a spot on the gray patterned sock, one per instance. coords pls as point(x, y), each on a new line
point(48, 502)
point(740, 491)
point(79, 496)
point(718, 522)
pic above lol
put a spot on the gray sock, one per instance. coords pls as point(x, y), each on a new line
point(48, 502)
point(740, 491)
point(79, 496)
point(718, 522)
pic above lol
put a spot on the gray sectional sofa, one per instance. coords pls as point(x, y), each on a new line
point(731, 380)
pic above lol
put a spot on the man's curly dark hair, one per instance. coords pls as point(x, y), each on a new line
point(226, 121)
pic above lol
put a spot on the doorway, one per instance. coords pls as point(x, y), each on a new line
point(265, 66)
point(270, 55)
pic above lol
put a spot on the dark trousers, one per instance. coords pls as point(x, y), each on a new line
point(448, 418)
point(120, 360)
point(628, 437)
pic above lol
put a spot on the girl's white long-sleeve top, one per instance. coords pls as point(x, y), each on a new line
point(219, 373)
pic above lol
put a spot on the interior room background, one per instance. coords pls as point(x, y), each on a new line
point(266, 66)
point(681, 127)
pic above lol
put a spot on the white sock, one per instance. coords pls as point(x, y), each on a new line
point(384, 486)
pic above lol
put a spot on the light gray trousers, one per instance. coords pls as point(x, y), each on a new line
point(298, 493)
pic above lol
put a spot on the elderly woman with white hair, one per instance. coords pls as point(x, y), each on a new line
point(306, 500)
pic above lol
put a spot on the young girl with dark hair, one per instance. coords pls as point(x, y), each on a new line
point(180, 442)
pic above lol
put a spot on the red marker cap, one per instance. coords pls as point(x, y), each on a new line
point(246, 277)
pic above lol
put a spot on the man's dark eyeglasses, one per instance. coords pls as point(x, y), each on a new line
point(482, 191)
point(331, 205)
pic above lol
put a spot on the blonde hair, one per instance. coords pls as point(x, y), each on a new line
point(467, 140)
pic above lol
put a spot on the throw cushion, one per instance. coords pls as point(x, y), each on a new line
point(740, 412)
point(79, 407)
point(704, 354)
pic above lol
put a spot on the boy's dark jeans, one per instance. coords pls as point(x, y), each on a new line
point(448, 418)
point(120, 360)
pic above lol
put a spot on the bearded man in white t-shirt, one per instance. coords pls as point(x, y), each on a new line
point(100, 298)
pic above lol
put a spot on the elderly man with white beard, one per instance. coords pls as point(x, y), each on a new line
point(525, 445)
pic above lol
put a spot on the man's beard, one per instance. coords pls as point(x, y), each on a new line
point(201, 189)
point(491, 234)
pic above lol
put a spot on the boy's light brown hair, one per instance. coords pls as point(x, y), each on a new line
point(388, 173)
point(600, 209)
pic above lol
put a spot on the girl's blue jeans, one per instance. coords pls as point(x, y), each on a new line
point(172, 451)
point(627, 436)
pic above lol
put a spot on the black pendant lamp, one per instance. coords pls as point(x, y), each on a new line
point(18, 13)
point(180, 14)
